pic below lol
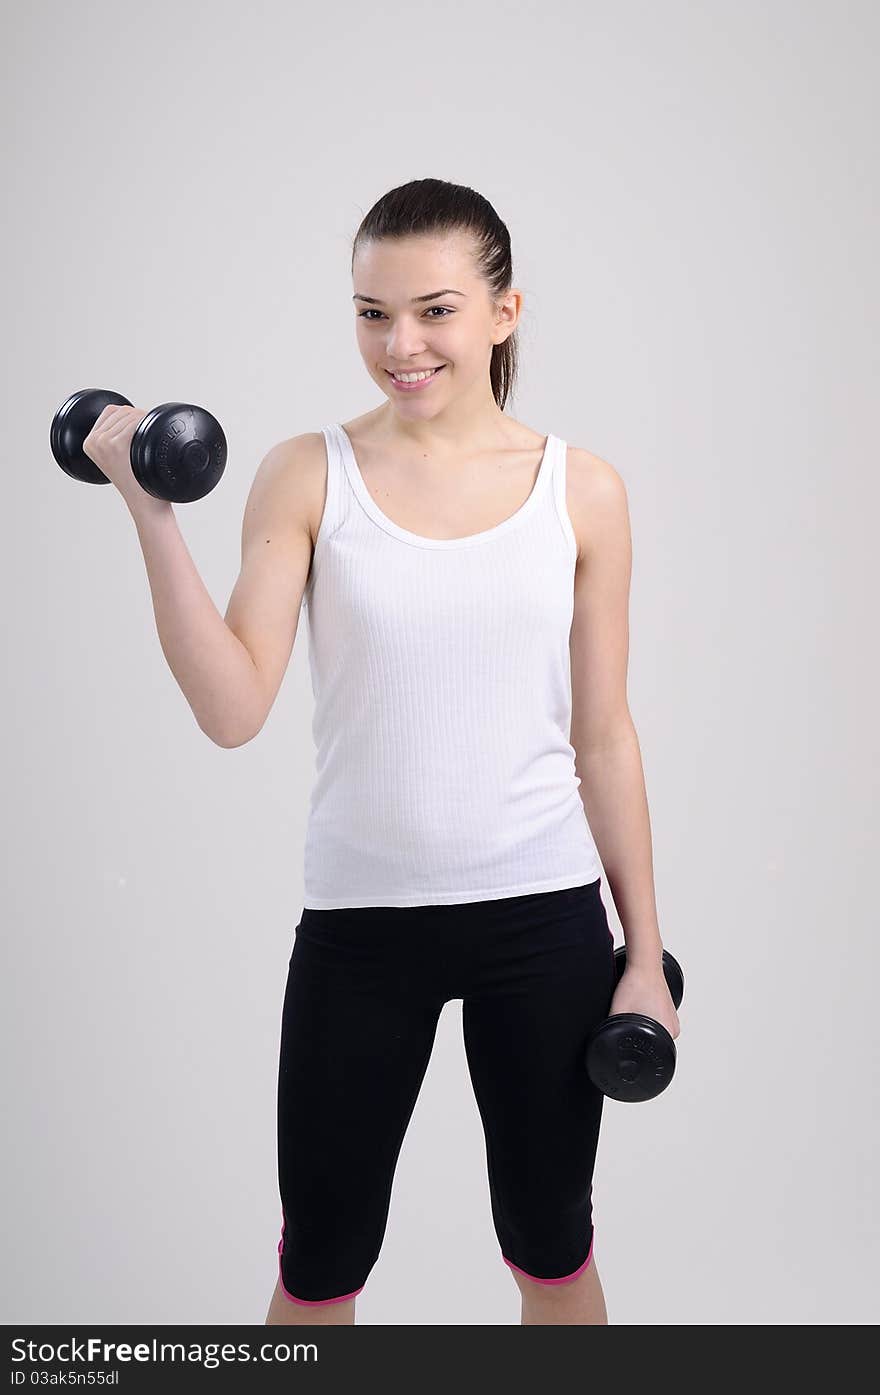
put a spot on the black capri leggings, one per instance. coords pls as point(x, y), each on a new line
point(365, 989)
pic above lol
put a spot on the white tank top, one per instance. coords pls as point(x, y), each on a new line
point(441, 675)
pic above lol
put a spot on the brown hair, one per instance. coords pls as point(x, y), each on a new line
point(435, 207)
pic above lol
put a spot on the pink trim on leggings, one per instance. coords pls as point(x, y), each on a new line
point(566, 1279)
point(309, 1302)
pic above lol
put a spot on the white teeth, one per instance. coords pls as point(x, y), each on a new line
point(413, 377)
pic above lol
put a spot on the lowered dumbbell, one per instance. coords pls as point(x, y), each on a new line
point(178, 451)
point(629, 1056)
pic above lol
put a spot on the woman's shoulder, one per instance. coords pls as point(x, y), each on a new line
point(595, 495)
point(301, 469)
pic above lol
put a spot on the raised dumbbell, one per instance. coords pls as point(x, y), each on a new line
point(178, 451)
point(629, 1056)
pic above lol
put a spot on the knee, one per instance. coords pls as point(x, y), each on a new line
point(314, 1275)
point(555, 1277)
point(287, 1312)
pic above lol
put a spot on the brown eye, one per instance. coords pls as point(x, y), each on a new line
point(447, 310)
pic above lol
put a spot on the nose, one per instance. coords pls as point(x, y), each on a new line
point(403, 345)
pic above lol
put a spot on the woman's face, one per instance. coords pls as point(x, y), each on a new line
point(403, 331)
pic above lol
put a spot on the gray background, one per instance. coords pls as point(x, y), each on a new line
point(691, 191)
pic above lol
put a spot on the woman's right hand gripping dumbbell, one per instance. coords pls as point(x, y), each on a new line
point(108, 444)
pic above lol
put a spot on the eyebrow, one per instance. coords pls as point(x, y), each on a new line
point(416, 300)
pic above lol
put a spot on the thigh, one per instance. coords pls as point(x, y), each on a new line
point(544, 983)
point(358, 1026)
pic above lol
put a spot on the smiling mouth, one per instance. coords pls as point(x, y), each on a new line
point(439, 369)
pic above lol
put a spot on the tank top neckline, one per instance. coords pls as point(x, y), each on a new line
point(358, 484)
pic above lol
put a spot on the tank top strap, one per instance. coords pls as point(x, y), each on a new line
point(336, 504)
point(559, 464)
point(335, 501)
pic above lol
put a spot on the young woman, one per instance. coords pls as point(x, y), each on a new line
point(467, 586)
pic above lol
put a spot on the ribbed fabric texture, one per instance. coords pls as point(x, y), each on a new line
point(442, 683)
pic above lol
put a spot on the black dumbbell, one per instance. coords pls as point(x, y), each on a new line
point(630, 1056)
point(178, 451)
